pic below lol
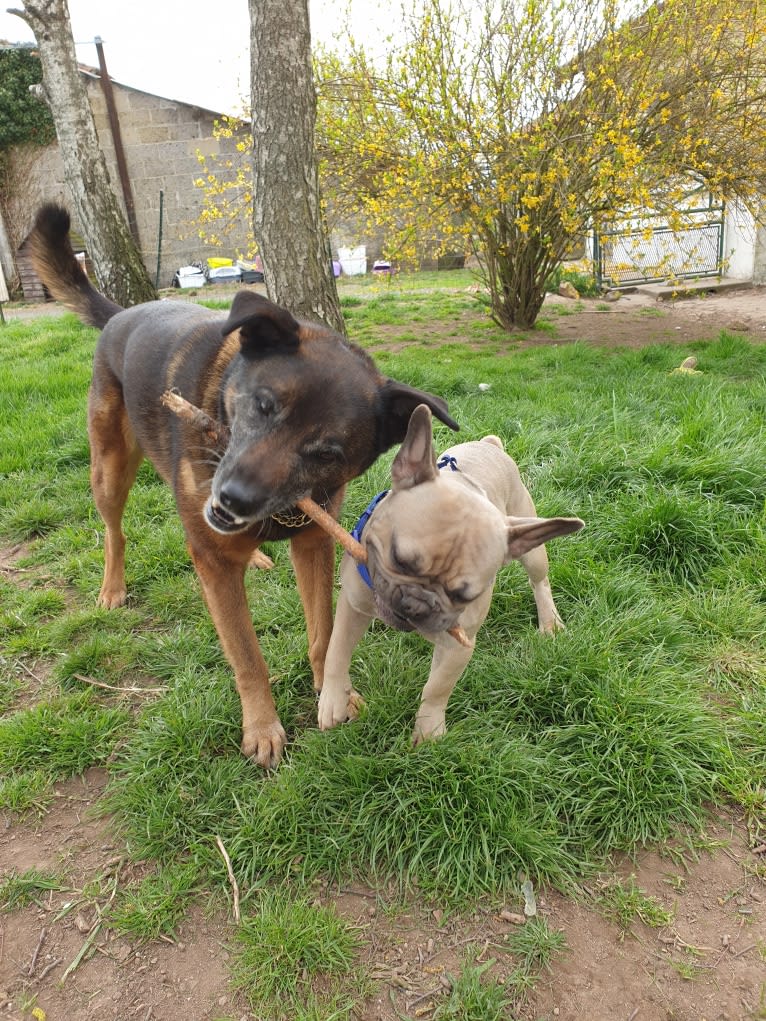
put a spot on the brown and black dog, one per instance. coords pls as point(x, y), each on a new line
point(307, 412)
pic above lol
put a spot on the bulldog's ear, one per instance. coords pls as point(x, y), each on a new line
point(416, 460)
point(398, 401)
point(263, 326)
point(526, 533)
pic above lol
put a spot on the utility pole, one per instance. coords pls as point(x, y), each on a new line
point(119, 150)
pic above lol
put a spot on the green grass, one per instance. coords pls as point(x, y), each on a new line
point(55, 739)
point(617, 733)
point(294, 954)
point(395, 316)
point(624, 902)
point(21, 888)
point(472, 997)
point(476, 994)
point(535, 947)
point(407, 282)
point(155, 905)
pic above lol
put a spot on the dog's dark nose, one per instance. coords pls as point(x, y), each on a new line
point(238, 499)
point(414, 607)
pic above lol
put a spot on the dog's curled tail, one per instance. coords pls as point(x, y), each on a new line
point(57, 266)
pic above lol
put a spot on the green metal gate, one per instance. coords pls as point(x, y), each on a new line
point(649, 250)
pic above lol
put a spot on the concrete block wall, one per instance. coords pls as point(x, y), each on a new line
point(162, 139)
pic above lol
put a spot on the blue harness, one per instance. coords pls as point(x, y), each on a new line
point(445, 461)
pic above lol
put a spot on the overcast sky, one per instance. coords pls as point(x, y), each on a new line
point(193, 50)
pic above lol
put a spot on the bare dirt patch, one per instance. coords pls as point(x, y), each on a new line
point(707, 963)
point(634, 320)
point(116, 979)
point(639, 318)
point(10, 564)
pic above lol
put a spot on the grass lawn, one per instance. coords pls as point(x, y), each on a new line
point(640, 718)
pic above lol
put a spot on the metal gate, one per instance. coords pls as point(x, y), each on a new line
point(648, 249)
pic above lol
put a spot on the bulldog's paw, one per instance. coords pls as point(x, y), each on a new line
point(336, 705)
point(551, 625)
point(264, 743)
point(355, 704)
point(428, 727)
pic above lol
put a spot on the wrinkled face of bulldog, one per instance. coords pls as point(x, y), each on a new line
point(431, 552)
point(433, 547)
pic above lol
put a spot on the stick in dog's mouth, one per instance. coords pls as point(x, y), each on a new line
point(218, 434)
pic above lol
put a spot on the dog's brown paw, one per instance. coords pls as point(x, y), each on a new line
point(355, 704)
point(112, 598)
point(265, 744)
point(261, 561)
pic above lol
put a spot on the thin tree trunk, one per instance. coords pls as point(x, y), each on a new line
point(287, 214)
point(118, 265)
point(6, 253)
point(515, 269)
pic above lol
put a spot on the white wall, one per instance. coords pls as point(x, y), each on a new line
point(738, 243)
point(759, 255)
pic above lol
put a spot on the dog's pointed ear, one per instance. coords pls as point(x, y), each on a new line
point(399, 401)
point(416, 461)
point(263, 326)
point(526, 533)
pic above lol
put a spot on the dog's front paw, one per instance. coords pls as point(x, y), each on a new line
point(264, 743)
point(260, 561)
point(428, 726)
point(551, 625)
point(337, 705)
point(111, 597)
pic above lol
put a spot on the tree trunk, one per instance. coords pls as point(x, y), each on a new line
point(7, 261)
point(515, 267)
point(287, 214)
point(118, 265)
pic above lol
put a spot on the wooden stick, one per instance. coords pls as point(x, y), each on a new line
point(49, 967)
point(232, 878)
point(460, 636)
point(122, 691)
point(31, 967)
point(196, 417)
point(335, 529)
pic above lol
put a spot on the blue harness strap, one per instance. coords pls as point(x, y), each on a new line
point(445, 461)
point(356, 533)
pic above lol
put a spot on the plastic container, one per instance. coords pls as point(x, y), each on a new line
point(189, 276)
point(353, 261)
